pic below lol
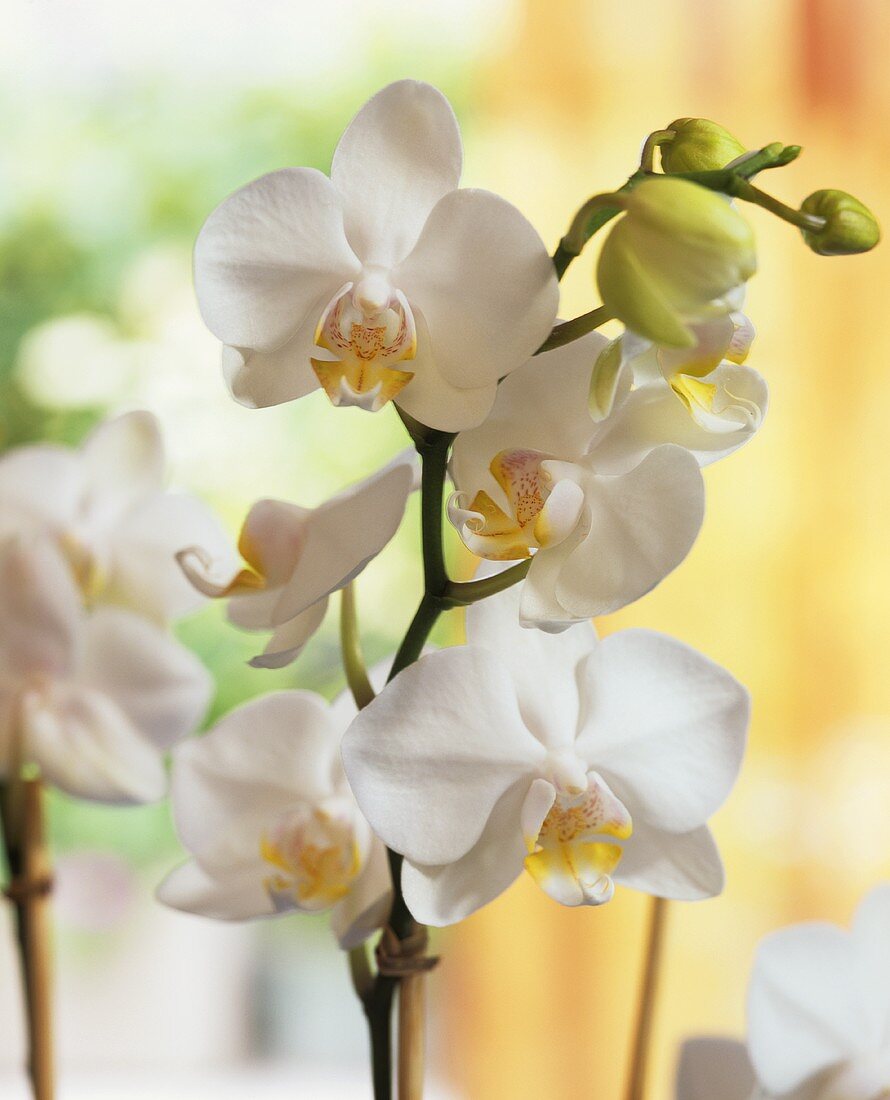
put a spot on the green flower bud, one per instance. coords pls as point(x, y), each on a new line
point(680, 254)
point(699, 146)
point(849, 225)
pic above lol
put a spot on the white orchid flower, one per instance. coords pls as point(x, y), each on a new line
point(296, 557)
point(605, 519)
point(106, 507)
point(262, 804)
point(586, 763)
point(384, 281)
point(94, 700)
point(818, 1018)
point(819, 1008)
point(703, 398)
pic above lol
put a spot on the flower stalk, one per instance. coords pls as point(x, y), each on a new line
point(29, 890)
point(642, 1036)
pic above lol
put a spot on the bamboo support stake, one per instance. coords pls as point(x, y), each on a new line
point(29, 890)
point(636, 1085)
point(412, 1038)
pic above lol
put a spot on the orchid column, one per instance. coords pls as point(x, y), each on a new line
point(534, 747)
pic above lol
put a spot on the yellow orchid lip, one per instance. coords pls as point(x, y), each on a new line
point(569, 858)
point(369, 330)
point(316, 858)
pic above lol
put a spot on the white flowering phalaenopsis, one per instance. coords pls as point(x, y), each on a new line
point(262, 804)
point(383, 282)
point(106, 507)
point(296, 557)
point(94, 700)
point(818, 1017)
point(585, 762)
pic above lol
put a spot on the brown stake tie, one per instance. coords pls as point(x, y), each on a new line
point(20, 888)
point(400, 958)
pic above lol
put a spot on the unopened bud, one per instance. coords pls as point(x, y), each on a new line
point(699, 146)
point(680, 254)
point(850, 226)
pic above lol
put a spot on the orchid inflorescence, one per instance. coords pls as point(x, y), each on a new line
point(576, 461)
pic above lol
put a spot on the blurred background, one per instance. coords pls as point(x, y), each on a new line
point(121, 127)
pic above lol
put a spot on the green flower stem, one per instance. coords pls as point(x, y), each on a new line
point(463, 593)
point(742, 189)
point(351, 649)
point(568, 331)
point(597, 211)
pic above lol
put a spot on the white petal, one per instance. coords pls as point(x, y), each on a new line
point(396, 159)
point(268, 254)
point(86, 745)
point(429, 758)
point(664, 725)
point(653, 414)
point(287, 643)
point(871, 937)
point(259, 760)
point(143, 571)
point(482, 278)
point(542, 406)
point(714, 1069)
point(344, 534)
point(234, 896)
point(366, 907)
point(40, 484)
point(804, 1014)
point(543, 666)
point(40, 609)
point(433, 400)
point(446, 894)
point(538, 605)
point(642, 525)
point(259, 379)
point(156, 681)
point(124, 460)
point(680, 866)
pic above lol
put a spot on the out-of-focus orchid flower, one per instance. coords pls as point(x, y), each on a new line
point(107, 510)
point(262, 804)
point(94, 700)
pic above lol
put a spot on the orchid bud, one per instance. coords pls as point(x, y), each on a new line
point(850, 226)
point(680, 255)
point(699, 145)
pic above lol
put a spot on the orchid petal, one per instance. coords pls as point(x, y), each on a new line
point(289, 639)
point(665, 725)
point(235, 895)
point(679, 866)
point(541, 406)
point(804, 1013)
point(642, 525)
point(428, 784)
point(257, 762)
point(40, 609)
point(871, 938)
point(482, 278)
point(261, 379)
point(160, 686)
point(344, 534)
point(123, 461)
point(446, 894)
point(87, 746)
point(39, 484)
point(396, 159)
point(267, 255)
point(366, 907)
point(543, 667)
